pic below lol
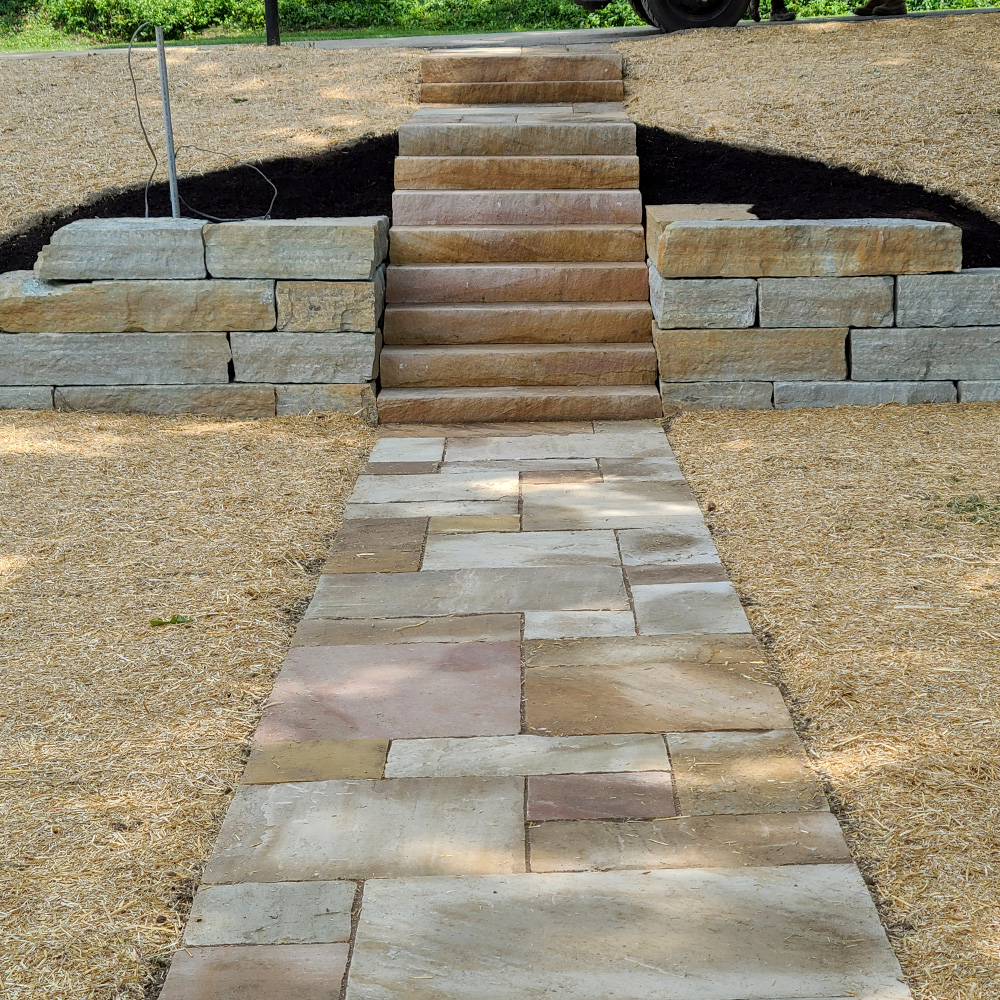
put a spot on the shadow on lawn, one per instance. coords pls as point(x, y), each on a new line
point(356, 179)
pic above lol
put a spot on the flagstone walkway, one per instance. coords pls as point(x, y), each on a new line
point(525, 746)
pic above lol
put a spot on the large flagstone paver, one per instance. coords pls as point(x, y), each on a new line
point(410, 449)
point(485, 550)
point(452, 523)
point(370, 829)
point(315, 760)
point(577, 624)
point(644, 443)
point(431, 508)
point(621, 795)
point(668, 545)
point(663, 609)
point(395, 691)
point(683, 935)
point(525, 754)
point(454, 486)
point(389, 631)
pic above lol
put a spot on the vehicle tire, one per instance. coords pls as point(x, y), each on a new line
point(676, 15)
point(640, 11)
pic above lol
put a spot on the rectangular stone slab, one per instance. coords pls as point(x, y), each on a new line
point(515, 244)
point(515, 208)
point(29, 305)
point(355, 398)
point(684, 608)
point(409, 449)
point(416, 690)
point(721, 395)
point(26, 397)
point(430, 508)
point(812, 302)
point(745, 773)
point(459, 67)
point(687, 935)
point(389, 631)
point(640, 795)
point(521, 173)
point(689, 842)
point(807, 248)
point(979, 391)
point(419, 138)
point(513, 282)
point(702, 302)
point(451, 524)
point(574, 624)
point(228, 401)
point(435, 486)
point(621, 504)
point(284, 356)
point(89, 249)
point(309, 249)
point(966, 298)
point(795, 395)
point(649, 684)
point(501, 93)
point(315, 760)
point(377, 546)
point(504, 448)
point(264, 913)
point(926, 353)
point(751, 355)
point(371, 829)
point(523, 548)
point(658, 217)
point(525, 754)
point(113, 358)
point(325, 306)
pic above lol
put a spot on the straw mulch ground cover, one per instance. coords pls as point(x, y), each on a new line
point(68, 126)
point(908, 100)
point(866, 545)
point(120, 741)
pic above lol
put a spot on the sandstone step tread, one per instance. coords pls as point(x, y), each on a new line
point(476, 138)
point(517, 208)
point(541, 91)
point(501, 67)
point(508, 173)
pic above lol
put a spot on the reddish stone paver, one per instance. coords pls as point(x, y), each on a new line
point(645, 795)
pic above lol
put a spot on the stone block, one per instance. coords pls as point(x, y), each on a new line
point(796, 395)
point(806, 248)
point(378, 546)
point(227, 401)
point(502, 93)
point(979, 391)
point(750, 355)
point(323, 306)
point(428, 138)
point(686, 608)
point(358, 399)
point(394, 631)
point(94, 359)
point(30, 305)
point(966, 298)
point(309, 249)
point(717, 395)
point(522, 173)
point(525, 548)
point(702, 302)
point(26, 397)
point(284, 356)
point(798, 302)
point(577, 624)
point(124, 248)
point(636, 795)
point(471, 486)
point(658, 217)
point(515, 208)
point(315, 760)
point(454, 524)
point(926, 353)
point(471, 67)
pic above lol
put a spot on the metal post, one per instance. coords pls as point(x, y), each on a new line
point(168, 126)
point(271, 27)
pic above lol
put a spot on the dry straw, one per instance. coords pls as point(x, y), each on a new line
point(874, 579)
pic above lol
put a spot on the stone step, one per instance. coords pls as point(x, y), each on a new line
point(581, 282)
point(515, 364)
point(513, 208)
point(523, 91)
point(485, 404)
point(521, 323)
point(486, 244)
point(523, 173)
point(562, 137)
point(504, 65)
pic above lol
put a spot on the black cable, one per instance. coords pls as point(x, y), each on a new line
point(138, 111)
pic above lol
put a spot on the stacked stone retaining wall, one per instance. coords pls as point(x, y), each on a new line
point(241, 319)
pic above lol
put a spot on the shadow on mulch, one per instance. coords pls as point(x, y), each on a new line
point(357, 179)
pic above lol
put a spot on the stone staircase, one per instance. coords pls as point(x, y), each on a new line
point(517, 287)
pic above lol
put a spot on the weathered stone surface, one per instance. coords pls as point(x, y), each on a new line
point(381, 546)
point(520, 244)
point(523, 173)
point(658, 217)
point(663, 469)
point(94, 359)
point(515, 208)
point(649, 684)
point(812, 302)
point(124, 248)
point(750, 355)
point(742, 773)
point(718, 395)
point(488, 403)
point(793, 395)
point(640, 795)
point(227, 401)
point(927, 353)
point(400, 691)
point(371, 829)
point(525, 754)
point(967, 298)
point(262, 913)
point(576, 624)
point(29, 305)
point(978, 391)
point(516, 64)
point(472, 522)
point(806, 248)
point(388, 631)
point(426, 138)
point(683, 544)
point(519, 365)
point(518, 90)
point(430, 508)
point(687, 935)
point(525, 548)
point(315, 760)
point(639, 576)
point(347, 398)
point(682, 608)
point(259, 972)
point(282, 356)
point(640, 441)
point(622, 504)
point(697, 303)
point(309, 249)
point(435, 486)
point(26, 397)
point(326, 306)
point(689, 842)
point(579, 282)
point(409, 449)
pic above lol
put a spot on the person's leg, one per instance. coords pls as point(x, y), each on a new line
point(754, 10)
point(890, 8)
point(779, 12)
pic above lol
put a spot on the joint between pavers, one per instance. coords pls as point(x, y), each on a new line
point(355, 920)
